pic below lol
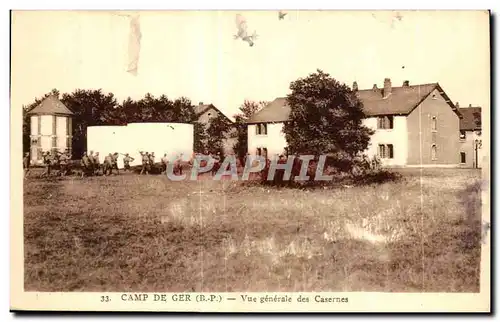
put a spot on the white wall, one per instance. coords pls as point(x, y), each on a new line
point(274, 141)
point(34, 125)
point(46, 121)
point(61, 132)
point(160, 138)
point(397, 136)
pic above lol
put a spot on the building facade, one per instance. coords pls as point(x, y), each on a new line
point(470, 138)
point(205, 112)
point(51, 128)
point(414, 125)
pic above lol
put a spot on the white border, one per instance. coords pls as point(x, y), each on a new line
point(145, 4)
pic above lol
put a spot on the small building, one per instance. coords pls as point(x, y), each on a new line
point(415, 125)
point(205, 112)
point(471, 152)
point(51, 128)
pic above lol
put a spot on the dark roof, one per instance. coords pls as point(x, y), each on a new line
point(51, 105)
point(402, 101)
point(471, 118)
point(276, 111)
point(202, 108)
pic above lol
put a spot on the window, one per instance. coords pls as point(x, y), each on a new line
point(386, 151)
point(433, 152)
point(385, 122)
point(264, 153)
point(434, 123)
point(261, 129)
point(258, 152)
point(462, 157)
point(390, 151)
point(462, 135)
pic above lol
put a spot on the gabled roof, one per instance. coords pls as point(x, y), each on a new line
point(402, 101)
point(471, 118)
point(200, 109)
point(276, 111)
point(51, 105)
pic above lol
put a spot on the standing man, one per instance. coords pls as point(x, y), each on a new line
point(145, 161)
point(114, 162)
point(48, 164)
point(152, 161)
point(26, 164)
point(91, 160)
point(216, 163)
point(178, 164)
point(97, 163)
point(55, 160)
point(108, 165)
point(164, 163)
point(63, 162)
point(126, 162)
point(86, 165)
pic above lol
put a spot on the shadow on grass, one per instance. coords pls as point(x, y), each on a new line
point(337, 181)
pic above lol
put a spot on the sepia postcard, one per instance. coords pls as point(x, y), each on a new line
point(250, 161)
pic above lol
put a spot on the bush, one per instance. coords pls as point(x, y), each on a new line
point(359, 170)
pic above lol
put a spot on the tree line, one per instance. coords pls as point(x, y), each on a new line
point(94, 107)
point(326, 118)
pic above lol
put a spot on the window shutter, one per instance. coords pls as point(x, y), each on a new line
point(54, 125)
point(391, 151)
point(39, 126)
point(381, 151)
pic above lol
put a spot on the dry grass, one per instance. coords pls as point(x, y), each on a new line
point(146, 233)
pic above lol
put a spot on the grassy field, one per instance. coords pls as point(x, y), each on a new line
point(146, 233)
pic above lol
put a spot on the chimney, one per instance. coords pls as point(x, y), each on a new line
point(387, 87)
point(355, 86)
point(406, 83)
point(457, 105)
point(375, 88)
point(470, 105)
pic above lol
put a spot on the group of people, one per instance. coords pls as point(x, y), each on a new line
point(148, 163)
point(51, 160)
point(90, 163)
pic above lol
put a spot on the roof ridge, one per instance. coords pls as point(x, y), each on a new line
point(416, 85)
point(51, 104)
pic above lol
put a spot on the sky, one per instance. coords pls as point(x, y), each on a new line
point(194, 53)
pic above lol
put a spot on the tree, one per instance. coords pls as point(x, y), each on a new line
point(161, 109)
point(90, 107)
point(199, 137)
point(477, 119)
point(247, 110)
point(217, 131)
point(326, 118)
point(27, 119)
